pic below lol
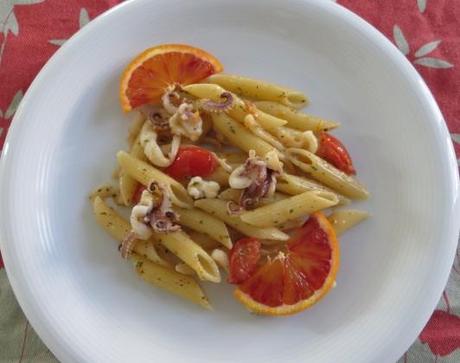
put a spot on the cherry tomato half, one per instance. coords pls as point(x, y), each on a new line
point(243, 259)
point(333, 151)
point(192, 161)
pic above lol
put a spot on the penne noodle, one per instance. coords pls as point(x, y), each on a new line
point(146, 174)
point(276, 197)
point(105, 191)
point(327, 174)
point(297, 120)
point(135, 128)
point(239, 135)
point(295, 138)
point(184, 269)
point(230, 194)
point(294, 207)
point(221, 258)
point(167, 255)
point(191, 253)
point(265, 120)
point(206, 242)
point(251, 123)
point(220, 176)
point(240, 108)
point(234, 158)
point(293, 223)
point(207, 126)
point(119, 228)
point(218, 208)
point(116, 172)
point(128, 185)
point(293, 184)
point(147, 249)
point(259, 90)
point(344, 219)
point(234, 195)
point(170, 280)
point(203, 222)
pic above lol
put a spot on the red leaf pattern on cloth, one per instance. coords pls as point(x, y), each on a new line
point(432, 31)
point(25, 41)
point(445, 343)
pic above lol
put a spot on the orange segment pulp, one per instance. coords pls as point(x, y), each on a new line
point(145, 78)
point(298, 276)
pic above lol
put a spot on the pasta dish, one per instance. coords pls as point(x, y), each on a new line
point(225, 180)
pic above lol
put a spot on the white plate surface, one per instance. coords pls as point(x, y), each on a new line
point(87, 304)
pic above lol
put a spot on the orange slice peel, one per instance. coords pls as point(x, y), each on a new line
point(147, 76)
point(297, 277)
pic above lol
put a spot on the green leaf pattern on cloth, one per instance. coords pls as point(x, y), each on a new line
point(18, 341)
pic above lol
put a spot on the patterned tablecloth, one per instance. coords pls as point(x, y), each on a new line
point(427, 32)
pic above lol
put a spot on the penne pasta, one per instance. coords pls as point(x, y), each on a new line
point(234, 158)
point(293, 224)
point(128, 185)
point(234, 195)
point(276, 197)
point(251, 123)
point(207, 126)
point(191, 253)
point(220, 175)
point(203, 222)
point(167, 255)
point(206, 242)
point(259, 90)
point(146, 174)
point(268, 122)
point(291, 208)
point(135, 128)
point(184, 269)
point(327, 174)
point(218, 208)
point(170, 280)
point(119, 228)
point(240, 108)
point(295, 138)
point(229, 159)
point(239, 135)
point(293, 184)
point(230, 194)
point(105, 191)
point(221, 258)
point(295, 119)
point(116, 172)
point(344, 219)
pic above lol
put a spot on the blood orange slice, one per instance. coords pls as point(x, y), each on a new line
point(298, 276)
point(145, 78)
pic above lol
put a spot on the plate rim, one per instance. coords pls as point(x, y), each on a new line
point(15, 275)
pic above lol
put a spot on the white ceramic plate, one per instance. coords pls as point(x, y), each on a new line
point(87, 304)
